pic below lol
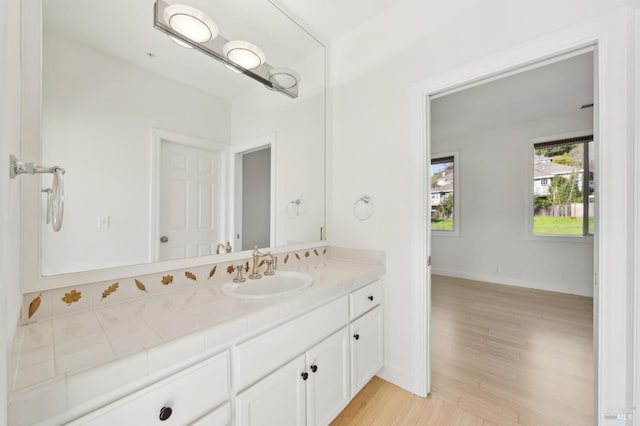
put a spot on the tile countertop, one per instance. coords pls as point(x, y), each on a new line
point(67, 361)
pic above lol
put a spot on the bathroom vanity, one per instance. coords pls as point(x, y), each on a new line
point(217, 359)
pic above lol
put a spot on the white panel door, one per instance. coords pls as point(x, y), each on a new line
point(328, 384)
point(188, 216)
point(278, 399)
point(366, 348)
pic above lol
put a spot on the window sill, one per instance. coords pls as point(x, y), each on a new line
point(580, 239)
point(446, 234)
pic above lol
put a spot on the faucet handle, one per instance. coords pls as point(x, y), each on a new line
point(239, 278)
point(269, 271)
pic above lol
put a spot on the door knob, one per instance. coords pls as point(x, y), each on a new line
point(164, 239)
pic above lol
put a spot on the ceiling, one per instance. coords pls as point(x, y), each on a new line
point(330, 19)
point(124, 29)
point(549, 91)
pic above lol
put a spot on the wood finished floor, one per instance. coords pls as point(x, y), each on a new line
point(500, 356)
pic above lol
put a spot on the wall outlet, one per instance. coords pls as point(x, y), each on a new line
point(499, 268)
point(104, 221)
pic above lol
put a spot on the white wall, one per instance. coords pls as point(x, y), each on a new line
point(298, 125)
point(370, 78)
point(494, 212)
point(97, 116)
point(9, 194)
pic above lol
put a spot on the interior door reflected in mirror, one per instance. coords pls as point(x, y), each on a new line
point(168, 152)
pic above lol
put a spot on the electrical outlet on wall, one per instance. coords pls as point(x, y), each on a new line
point(104, 221)
point(499, 268)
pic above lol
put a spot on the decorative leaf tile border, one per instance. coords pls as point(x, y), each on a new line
point(90, 295)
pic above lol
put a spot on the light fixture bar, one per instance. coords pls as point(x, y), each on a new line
point(214, 49)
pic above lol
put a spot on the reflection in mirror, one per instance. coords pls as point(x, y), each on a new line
point(168, 153)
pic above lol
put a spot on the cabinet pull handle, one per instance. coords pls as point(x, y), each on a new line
point(305, 375)
point(370, 298)
point(314, 368)
point(356, 336)
point(165, 413)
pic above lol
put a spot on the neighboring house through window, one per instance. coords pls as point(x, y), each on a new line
point(444, 211)
point(562, 203)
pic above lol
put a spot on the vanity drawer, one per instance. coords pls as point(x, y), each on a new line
point(368, 297)
point(221, 416)
point(260, 356)
point(184, 397)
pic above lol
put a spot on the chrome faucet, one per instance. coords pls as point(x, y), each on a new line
point(225, 249)
point(271, 261)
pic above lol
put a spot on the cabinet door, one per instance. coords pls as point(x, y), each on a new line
point(328, 384)
point(278, 399)
point(366, 348)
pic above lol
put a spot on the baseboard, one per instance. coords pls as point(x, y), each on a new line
point(402, 378)
point(516, 282)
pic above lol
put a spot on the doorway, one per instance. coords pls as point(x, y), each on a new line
point(255, 208)
point(499, 180)
point(187, 217)
point(253, 194)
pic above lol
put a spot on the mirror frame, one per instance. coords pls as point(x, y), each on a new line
point(31, 278)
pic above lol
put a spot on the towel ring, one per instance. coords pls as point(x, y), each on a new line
point(295, 208)
point(363, 208)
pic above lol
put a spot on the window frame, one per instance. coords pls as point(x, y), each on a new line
point(529, 193)
point(456, 193)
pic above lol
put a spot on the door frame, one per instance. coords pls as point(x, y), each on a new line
point(157, 137)
point(234, 212)
point(610, 35)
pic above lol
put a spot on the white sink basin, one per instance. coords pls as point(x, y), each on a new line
point(281, 284)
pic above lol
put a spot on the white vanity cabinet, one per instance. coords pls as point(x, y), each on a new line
point(328, 378)
point(221, 416)
point(365, 335)
point(177, 400)
point(303, 371)
point(312, 389)
point(278, 399)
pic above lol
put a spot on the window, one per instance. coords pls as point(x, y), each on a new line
point(444, 181)
point(563, 188)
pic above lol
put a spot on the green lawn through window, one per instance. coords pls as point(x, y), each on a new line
point(548, 225)
point(442, 224)
point(554, 225)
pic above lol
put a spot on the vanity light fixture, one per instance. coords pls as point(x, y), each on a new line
point(247, 55)
point(192, 28)
point(191, 23)
point(284, 78)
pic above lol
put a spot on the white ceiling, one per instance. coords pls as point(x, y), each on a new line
point(549, 91)
point(330, 19)
point(124, 29)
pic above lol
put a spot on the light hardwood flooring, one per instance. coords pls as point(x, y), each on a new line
point(500, 356)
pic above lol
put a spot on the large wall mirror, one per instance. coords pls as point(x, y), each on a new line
point(168, 153)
